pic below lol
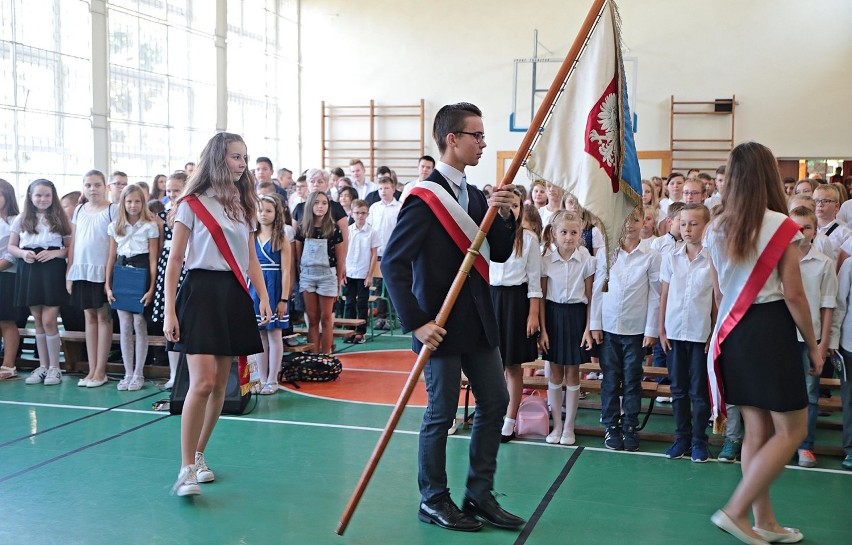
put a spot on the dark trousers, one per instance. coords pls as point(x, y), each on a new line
point(690, 399)
point(357, 298)
point(621, 362)
point(484, 370)
point(846, 402)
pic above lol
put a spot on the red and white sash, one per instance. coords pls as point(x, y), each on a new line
point(461, 228)
point(738, 293)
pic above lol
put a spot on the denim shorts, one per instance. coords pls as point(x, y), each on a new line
point(319, 280)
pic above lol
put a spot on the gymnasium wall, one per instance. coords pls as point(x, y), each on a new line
point(787, 61)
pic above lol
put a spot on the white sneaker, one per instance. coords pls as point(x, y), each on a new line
point(136, 383)
point(37, 376)
point(8, 372)
point(187, 483)
point(53, 377)
point(661, 399)
point(123, 383)
point(202, 472)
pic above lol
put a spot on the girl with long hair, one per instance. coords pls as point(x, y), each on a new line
point(8, 311)
point(212, 319)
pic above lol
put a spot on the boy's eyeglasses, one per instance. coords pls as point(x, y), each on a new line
point(691, 193)
point(824, 201)
point(478, 135)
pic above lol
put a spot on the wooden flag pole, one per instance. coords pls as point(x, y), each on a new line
point(467, 264)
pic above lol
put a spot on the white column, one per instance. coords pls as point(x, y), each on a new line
point(221, 65)
point(100, 86)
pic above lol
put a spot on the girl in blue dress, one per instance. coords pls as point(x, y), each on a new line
point(273, 252)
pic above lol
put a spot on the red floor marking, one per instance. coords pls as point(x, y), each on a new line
point(372, 386)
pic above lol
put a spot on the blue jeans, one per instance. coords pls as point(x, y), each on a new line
point(484, 370)
point(812, 384)
point(661, 359)
point(621, 362)
point(690, 399)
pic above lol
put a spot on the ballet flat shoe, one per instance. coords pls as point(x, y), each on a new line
point(792, 535)
point(726, 523)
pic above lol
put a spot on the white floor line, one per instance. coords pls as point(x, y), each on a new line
point(524, 442)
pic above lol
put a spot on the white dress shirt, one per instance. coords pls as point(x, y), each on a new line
point(5, 231)
point(382, 217)
point(820, 283)
point(520, 269)
point(665, 244)
point(632, 304)
point(690, 297)
point(452, 175)
point(566, 278)
point(365, 189)
point(839, 235)
point(844, 215)
point(361, 242)
point(134, 241)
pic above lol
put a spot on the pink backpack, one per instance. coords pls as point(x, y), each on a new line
point(533, 417)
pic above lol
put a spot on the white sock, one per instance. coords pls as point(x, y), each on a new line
point(554, 398)
point(508, 426)
point(572, 401)
point(43, 354)
point(174, 357)
point(54, 345)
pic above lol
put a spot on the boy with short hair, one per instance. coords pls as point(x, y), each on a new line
point(693, 191)
point(821, 292)
point(827, 199)
point(671, 240)
point(382, 217)
point(687, 312)
point(360, 263)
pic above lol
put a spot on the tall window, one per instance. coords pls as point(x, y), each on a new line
point(162, 83)
point(263, 78)
point(45, 92)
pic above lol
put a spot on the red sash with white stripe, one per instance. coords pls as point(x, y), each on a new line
point(461, 228)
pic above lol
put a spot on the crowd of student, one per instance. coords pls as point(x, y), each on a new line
point(58, 257)
point(658, 307)
point(63, 257)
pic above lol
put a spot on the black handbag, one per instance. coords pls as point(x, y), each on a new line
point(234, 402)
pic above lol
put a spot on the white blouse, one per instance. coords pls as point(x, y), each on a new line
point(518, 270)
point(91, 243)
point(134, 241)
point(5, 231)
point(714, 241)
point(566, 278)
point(42, 238)
point(202, 252)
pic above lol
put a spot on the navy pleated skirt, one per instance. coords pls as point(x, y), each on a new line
point(512, 306)
point(565, 324)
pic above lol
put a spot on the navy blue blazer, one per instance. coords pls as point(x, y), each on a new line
point(420, 262)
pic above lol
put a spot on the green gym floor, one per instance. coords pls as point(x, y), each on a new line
point(92, 467)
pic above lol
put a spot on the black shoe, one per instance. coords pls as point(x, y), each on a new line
point(630, 439)
point(507, 438)
point(612, 438)
point(446, 514)
point(490, 511)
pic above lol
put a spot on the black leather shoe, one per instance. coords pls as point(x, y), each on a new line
point(446, 514)
point(507, 438)
point(490, 511)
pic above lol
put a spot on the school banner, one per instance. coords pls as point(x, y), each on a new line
point(586, 144)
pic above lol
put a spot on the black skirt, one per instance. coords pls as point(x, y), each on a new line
point(216, 316)
point(565, 324)
point(8, 310)
point(86, 295)
point(761, 362)
point(512, 306)
point(40, 284)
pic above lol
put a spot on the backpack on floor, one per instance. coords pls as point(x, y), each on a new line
point(235, 401)
point(308, 367)
point(533, 417)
